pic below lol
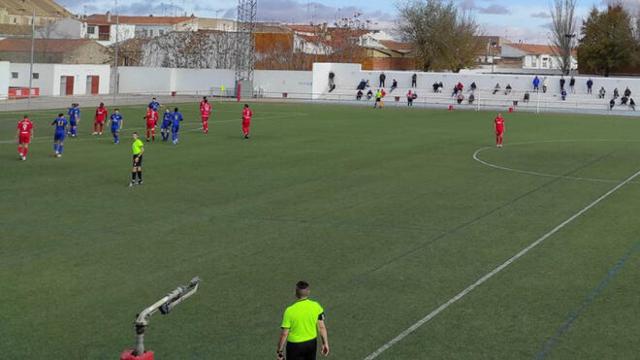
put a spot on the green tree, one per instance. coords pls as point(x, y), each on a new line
point(444, 37)
point(607, 44)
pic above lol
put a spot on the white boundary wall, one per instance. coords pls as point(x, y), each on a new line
point(50, 77)
point(5, 76)
point(145, 80)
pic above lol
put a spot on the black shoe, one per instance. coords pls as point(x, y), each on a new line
point(139, 182)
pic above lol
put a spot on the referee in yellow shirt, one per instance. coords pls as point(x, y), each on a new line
point(300, 326)
point(137, 148)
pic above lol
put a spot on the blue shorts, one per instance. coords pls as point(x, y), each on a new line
point(59, 136)
point(73, 123)
point(165, 125)
point(115, 130)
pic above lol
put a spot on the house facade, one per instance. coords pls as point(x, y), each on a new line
point(535, 57)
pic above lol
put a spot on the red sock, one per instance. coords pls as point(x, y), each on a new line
point(25, 151)
point(20, 151)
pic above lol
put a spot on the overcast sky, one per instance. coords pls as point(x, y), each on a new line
point(525, 20)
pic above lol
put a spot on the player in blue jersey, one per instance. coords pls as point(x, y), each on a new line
point(74, 119)
point(60, 125)
point(175, 126)
point(167, 121)
point(154, 105)
point(117, 122)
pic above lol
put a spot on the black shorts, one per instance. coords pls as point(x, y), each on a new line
point(139, 163)
point(302, 351)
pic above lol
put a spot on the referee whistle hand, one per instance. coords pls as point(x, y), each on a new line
point(325, 350)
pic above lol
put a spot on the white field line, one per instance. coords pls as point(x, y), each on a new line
point(495, 271)
point(476, 157)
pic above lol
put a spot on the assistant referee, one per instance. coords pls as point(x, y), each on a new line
point(137, 148)
point(300, 326)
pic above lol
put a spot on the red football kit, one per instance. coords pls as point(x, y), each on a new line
point(101, 117)
point(152, 121)
point(205, 112)
point(25, 127)
point(25, 131)
point(246, 121)
point(499, 124)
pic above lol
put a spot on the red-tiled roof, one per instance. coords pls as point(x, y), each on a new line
point(537, 49)
point(398, 46)
point(97, 19)
point(48, 45)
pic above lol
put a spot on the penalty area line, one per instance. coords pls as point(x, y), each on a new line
point(496, 271)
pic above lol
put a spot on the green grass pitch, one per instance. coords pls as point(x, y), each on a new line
point(385, 212)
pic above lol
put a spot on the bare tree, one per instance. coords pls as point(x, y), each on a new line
point(444, 37)
point(563, 31)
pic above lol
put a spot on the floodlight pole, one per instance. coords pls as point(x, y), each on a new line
point(115, 67)
point(33, 45)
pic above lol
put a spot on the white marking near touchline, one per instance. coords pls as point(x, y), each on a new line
point(495, 271)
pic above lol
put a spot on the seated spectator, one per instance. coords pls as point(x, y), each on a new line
point(455, 91)
point(632, 104)
point(612, 103)
point(507, 90)
point(624, 100)
point(359, 95)
point(369, 94)
point(460, 98)
point(473, 86)
point(460, 86)
point(627, 92)
point(436, 86)
point(471, 99)
point(496, 89)
point(362, 85)
point(616, 93)
point(602, 93)
point(563, 94)
point(526, 97)
point(545, 85)
point(394, 85)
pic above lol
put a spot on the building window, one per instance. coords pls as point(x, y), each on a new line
point(145, 33)
point(161, 32)
point(14, 75)
point(36, 76)
point(91, 30)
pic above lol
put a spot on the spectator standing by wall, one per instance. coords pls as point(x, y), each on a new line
point(562, 82)
point(572, 85)
point(536, 83)
point(383, 77)
point(414, 80)
point(545, 85)
point(589, 86)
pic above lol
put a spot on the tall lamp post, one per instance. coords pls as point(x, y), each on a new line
point(570, 38)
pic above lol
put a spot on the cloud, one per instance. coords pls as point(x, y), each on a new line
point(541, 15)
point(494, 9)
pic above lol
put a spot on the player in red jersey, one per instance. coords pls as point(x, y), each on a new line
point(205, 112)
point(152, 122)
point(246, 120)
point(499, 123)
point(101, 117)
point(24, 134)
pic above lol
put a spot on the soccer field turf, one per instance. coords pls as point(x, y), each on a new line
point(385, 212)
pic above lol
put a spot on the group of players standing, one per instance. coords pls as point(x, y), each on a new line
point(170, 126)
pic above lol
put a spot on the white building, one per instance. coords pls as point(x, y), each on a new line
point(103, 27)
point(535, 57)
point(61, 79)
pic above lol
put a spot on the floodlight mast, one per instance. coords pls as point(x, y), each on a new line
point(165, 305)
